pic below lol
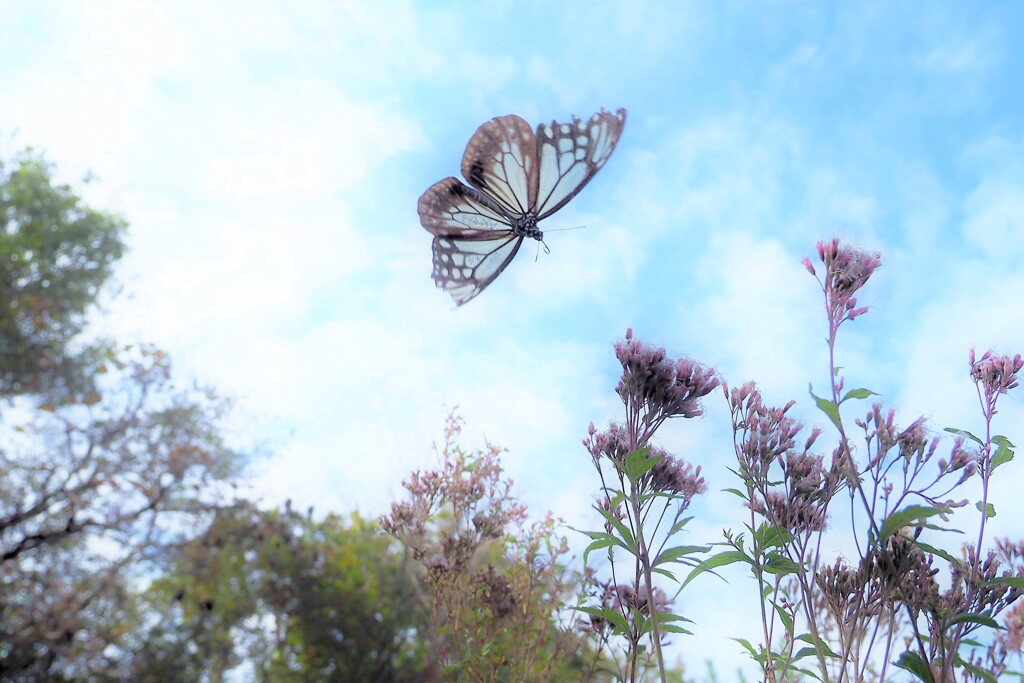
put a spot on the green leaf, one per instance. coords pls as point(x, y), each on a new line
point(786, 617)
point(596, 534)
point(608, 542)
point(808, 673)
point(936, 527)
point(625, 535)
point(769, 536)
point(638, 463)
point(908, 516)
point(830, 409)
point(937, 551)
point(808, 638)
point(666, 573)
point(722, 559)
point(613, 616)
point(666, 623)
point(1001, 440)
point(749, 648)
point(673, 554)
point(678, 526)
point(912, 662)
point(737, 492)
point(966, 434)
point(780, 565)
point(978, 671)
point(857, 394)
point(1004, 452)
point(973, 618)
point(668, 616)
point(1015, 581)
point(990, 509)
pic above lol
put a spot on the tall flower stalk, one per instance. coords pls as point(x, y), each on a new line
point(645, 491)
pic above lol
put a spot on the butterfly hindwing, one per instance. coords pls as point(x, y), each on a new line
point(501, 160)
point(463, 268)
point(571, 154)
point(451, 209)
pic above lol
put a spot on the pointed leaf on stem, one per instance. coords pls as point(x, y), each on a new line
point(989, 508)
point(966, 434)
point(722, 559)
point(973, 618)
point(857, 394)
point(1004, 453)
point(912, 662)
point(908, 516)
point(638, 463)
point(830, 409)
point(825, 650)
point(680, 551)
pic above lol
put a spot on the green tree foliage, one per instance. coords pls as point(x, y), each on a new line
point(277, 596)
point(56, 253)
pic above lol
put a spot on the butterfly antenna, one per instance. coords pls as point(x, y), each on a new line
point(578, 227)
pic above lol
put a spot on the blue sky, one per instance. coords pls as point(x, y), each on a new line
point(269, 159)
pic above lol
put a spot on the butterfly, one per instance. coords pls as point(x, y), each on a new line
point(517, 178)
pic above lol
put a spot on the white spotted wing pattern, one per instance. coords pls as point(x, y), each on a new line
point(517, 177)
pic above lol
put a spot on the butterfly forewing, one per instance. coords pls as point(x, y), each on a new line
point(451, 209)
point(571, 154)
point(463, 268)
point(501, 160)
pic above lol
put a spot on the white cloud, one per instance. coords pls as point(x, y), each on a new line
point(995, 218)
point(85, 94)
point(961, 54)
point(758, 307)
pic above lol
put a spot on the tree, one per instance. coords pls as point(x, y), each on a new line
point(111, 469)
point(283, 597)
point(56, 254)
point(92, 493)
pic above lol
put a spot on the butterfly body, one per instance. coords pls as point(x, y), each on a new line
point(517, 178)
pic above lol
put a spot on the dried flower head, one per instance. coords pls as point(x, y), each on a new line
point(847, 269)
point(624, 598)
point(613, 444)
point(994, 375)
point(675, 475)
point(495, 592)
point(801, 508)
point(655, 387)
point(669, 475)
point(764, 434)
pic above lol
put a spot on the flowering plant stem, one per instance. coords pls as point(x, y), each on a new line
point(651, 483)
